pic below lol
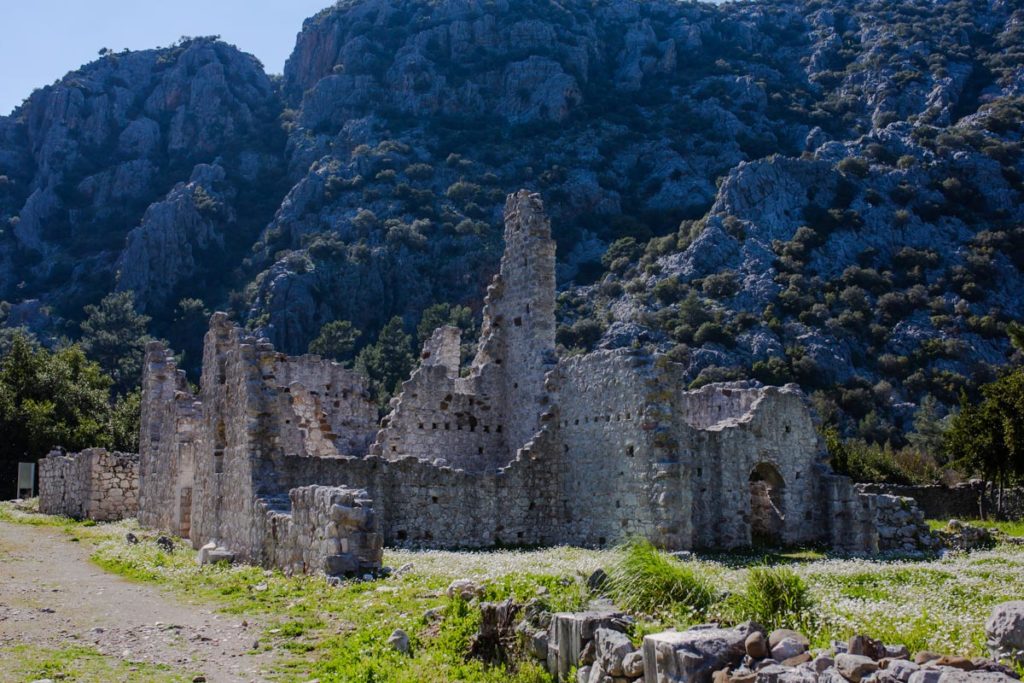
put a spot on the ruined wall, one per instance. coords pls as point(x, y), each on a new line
point(418, 504)
point(621, 472)
point(763, 434)
point(325, 529)
point(963, 501)
point(260, 407)
point(438, 418)
point(329, 404)
point(167, 445)
point(478, 422)
point(94, 484)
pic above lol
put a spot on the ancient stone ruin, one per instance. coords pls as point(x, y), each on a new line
point(282, 460)
point(94, 484)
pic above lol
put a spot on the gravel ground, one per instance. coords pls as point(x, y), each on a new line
point(52, 596)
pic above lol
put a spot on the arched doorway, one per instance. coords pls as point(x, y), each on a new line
point(767, 510)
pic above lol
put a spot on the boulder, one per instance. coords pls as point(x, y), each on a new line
point(954, 661)
point(822, 662)
point(399, 641)
point(611, 649)
point(633, 665)
point(928, 675)
point(467, 589)
point(1004, 631)
point(780, 634)
point(866, 646)
point(777, 673)
point(901, 669)
point(788, 648)
point(958, 676)
point(855, 667)
point(756, 645)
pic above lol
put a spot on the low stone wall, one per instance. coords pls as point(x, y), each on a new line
point(329, 529)
point(962, 501)
point(899, 522)
point(94, 484)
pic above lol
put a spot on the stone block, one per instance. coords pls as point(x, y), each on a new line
point(692, 656)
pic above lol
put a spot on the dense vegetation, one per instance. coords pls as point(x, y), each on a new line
point(58, 398)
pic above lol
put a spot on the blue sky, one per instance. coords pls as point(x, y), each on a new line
point(41, 40)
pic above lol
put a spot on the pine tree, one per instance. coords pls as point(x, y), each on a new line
point(337, 341)
point(114, 335)
point(389, 361)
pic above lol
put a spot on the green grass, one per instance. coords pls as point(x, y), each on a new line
point(1010, 528)
point(340, 633)
point(642, 579)
point(774, 597)
point(76, 663)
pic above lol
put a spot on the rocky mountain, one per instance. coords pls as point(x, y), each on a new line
point(820, 190)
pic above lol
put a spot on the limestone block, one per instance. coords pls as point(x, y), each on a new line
point(570, 632)
point(1004, 630)
point(693, 655)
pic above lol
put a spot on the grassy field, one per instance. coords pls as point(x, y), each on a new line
point(1010, 528)
point(339, 633)
point(77, 663)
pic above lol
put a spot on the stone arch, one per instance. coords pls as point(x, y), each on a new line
point(767, 504)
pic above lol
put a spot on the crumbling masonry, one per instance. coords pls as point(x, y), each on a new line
point(282, 460)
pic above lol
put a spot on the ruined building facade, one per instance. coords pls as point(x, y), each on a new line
point(282, 460)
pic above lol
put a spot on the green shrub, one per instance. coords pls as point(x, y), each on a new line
point(774, 597)
point(645, 580)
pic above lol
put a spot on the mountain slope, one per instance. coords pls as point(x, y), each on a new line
point(876, 259)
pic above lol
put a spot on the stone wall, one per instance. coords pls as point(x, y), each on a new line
point(478, 422)
point(322, 529)
point(94, 484)
point(963, 501)
point(519, 449)
point(260, 410)
point(167, 444)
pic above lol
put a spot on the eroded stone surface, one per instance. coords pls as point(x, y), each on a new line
point(521, 448)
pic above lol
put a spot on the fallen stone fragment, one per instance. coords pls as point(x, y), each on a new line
point(692, 655)
point(901, 669)
point(855, 667)
point(756, 645)
point(1004, 631)
point(399, 641)
point(633, 665)
point(466, 589)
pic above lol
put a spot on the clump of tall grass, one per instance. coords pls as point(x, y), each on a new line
point(774, 597)
point(644, 580)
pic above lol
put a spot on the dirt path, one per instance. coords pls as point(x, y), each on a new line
point(51, 595)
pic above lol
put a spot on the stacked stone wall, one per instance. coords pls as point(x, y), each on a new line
point(167, 445)
point(94, 484)
point(325, 529)
point(618, 479)
point(963, 501)
point(419, 504)
point(774, 439)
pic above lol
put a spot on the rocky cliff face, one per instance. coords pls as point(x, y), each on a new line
point(85, 157)
point(877, 258)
